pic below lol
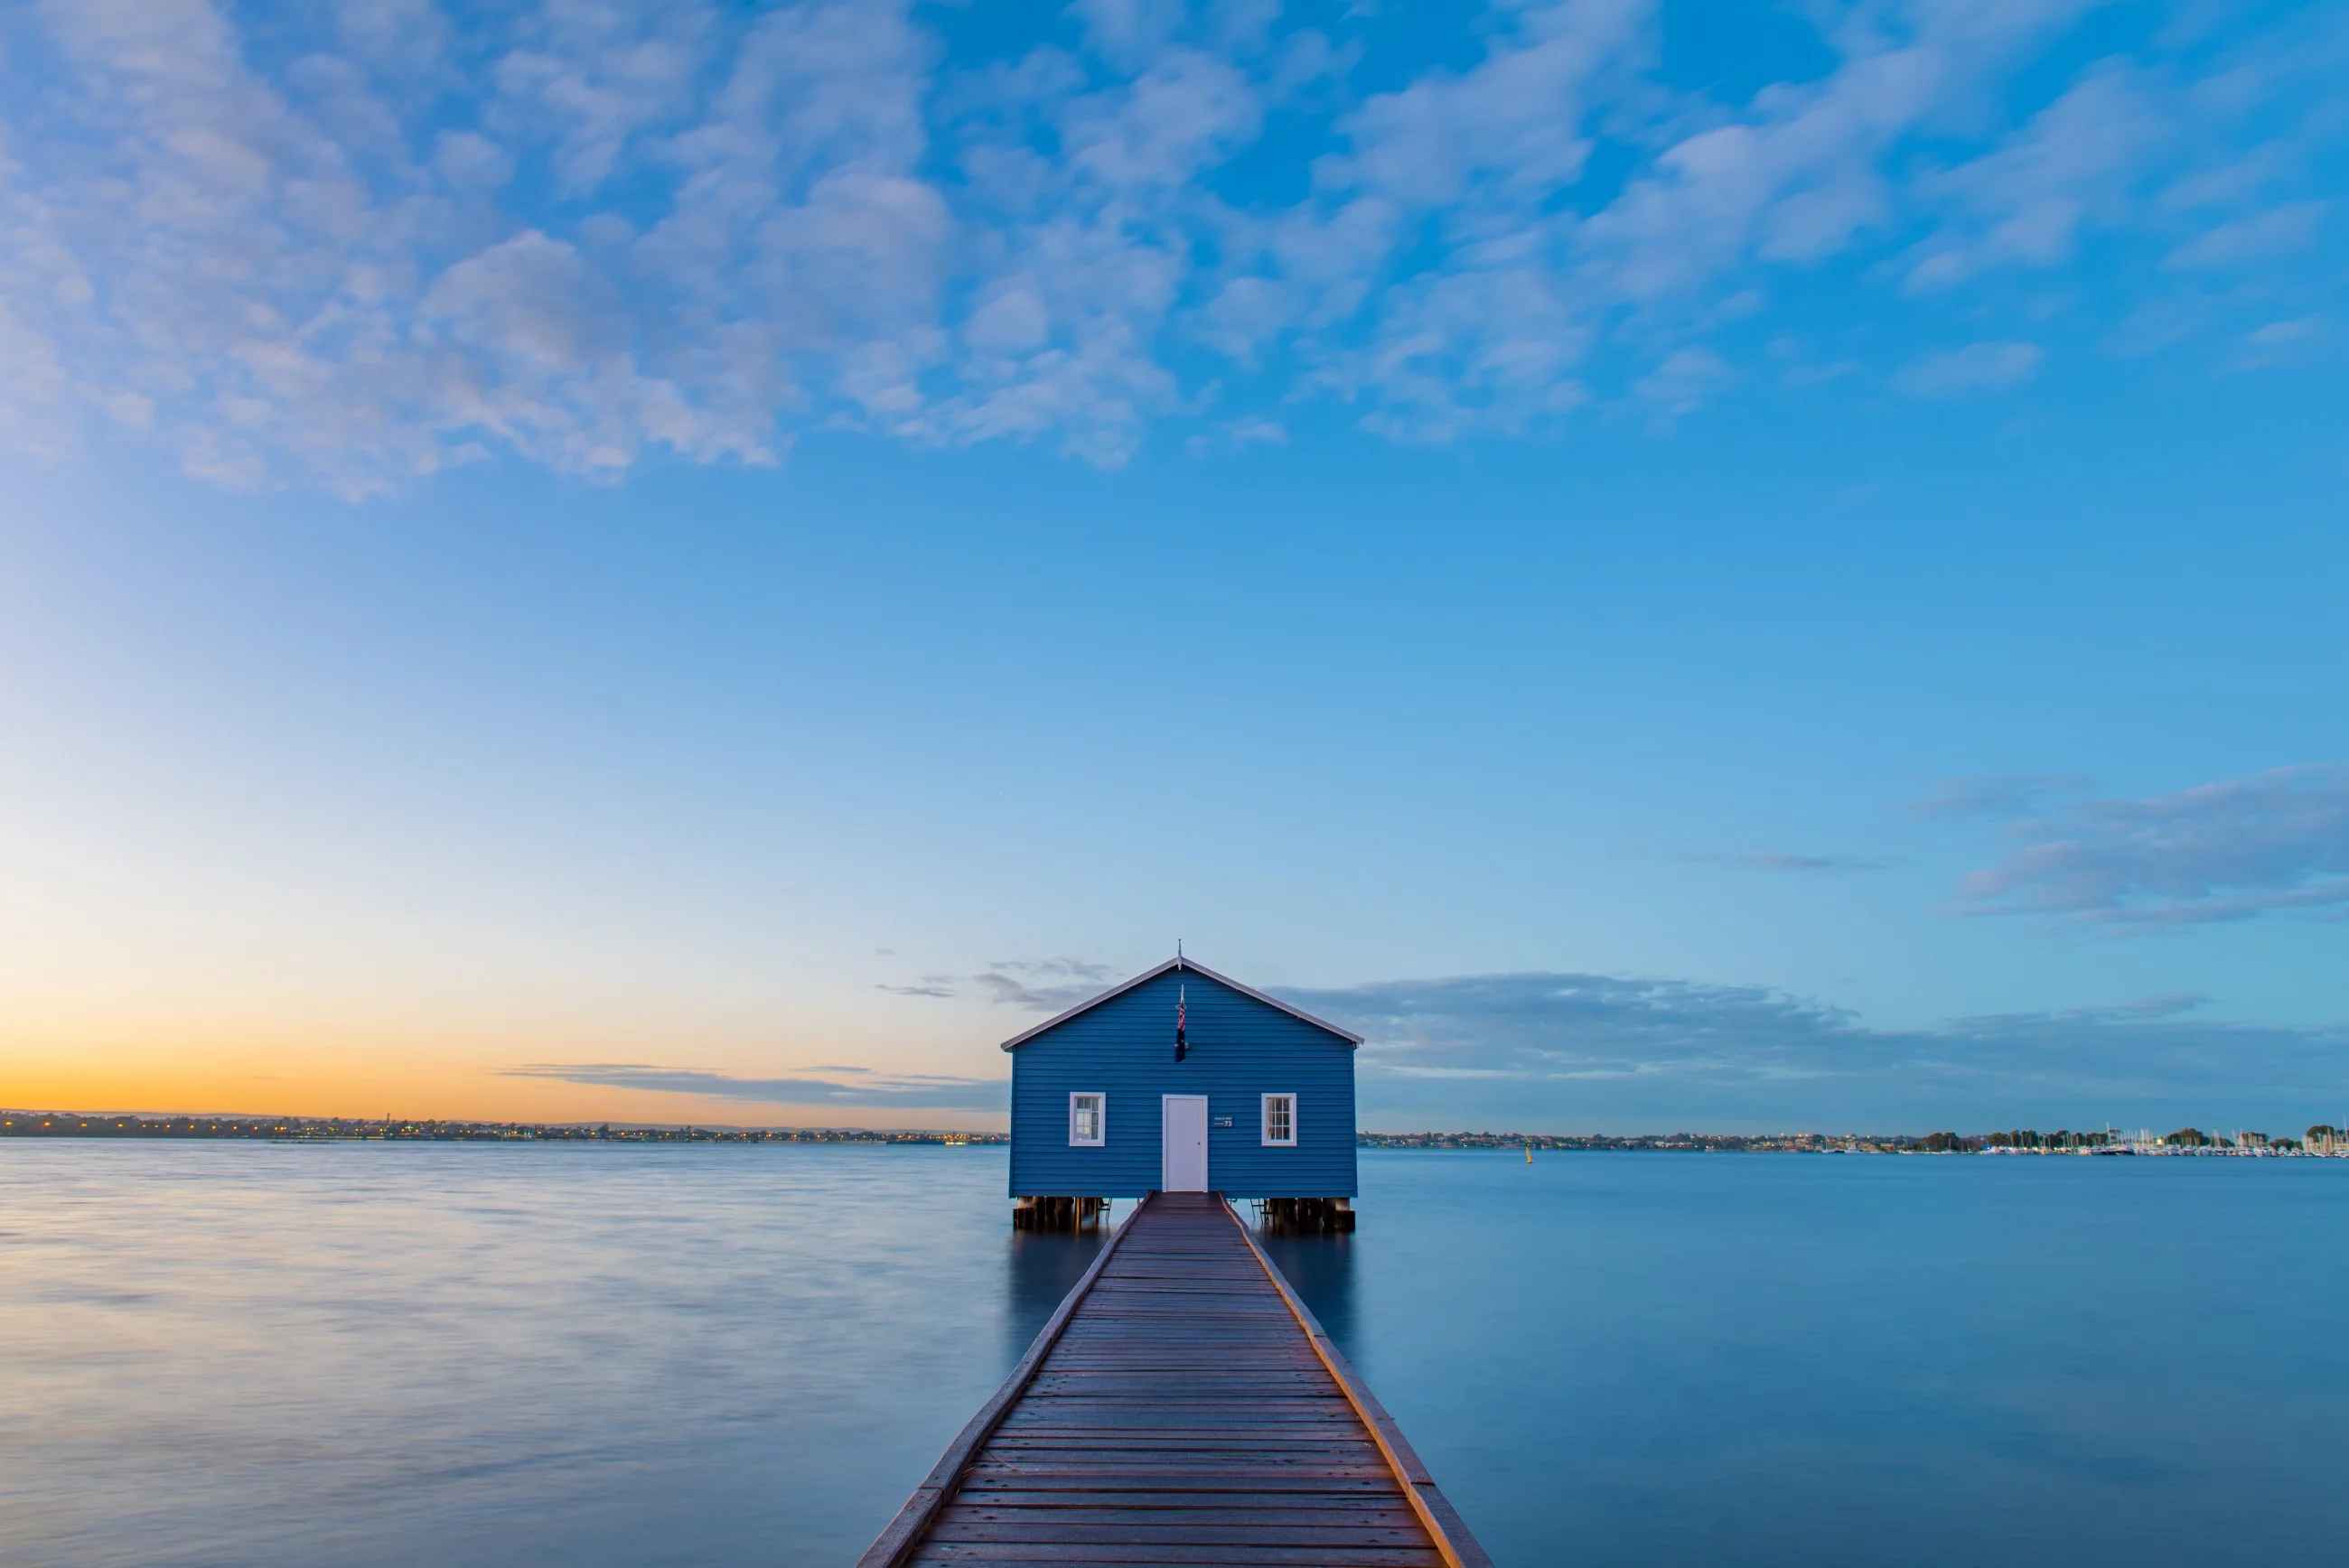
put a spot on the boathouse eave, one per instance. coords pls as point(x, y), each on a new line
point(1191, 966)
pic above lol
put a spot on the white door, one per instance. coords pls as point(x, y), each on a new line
point(1183, 1143)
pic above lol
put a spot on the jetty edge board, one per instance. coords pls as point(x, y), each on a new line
point(1443, 1523)
point(895, 1545)
point(1181, 1406)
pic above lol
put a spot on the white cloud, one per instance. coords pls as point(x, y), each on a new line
point(405, 37)
point(2255, 238)
point(263, 239)
point(1185, 113)
point(465, 159)
point(1684, 382)
point(2279, 342)
point(588, 79)
point(1977, 367)
point(2029, 201)
point(1129, 31)
point(1514, 124)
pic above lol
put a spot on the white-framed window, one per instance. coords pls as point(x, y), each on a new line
point(1281, 1121)
point(1088, 1121)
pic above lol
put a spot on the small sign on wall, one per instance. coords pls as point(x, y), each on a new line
point(1223, 1121)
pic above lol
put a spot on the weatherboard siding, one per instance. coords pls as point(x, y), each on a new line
point(1240, 1050)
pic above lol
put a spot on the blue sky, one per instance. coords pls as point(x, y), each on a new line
point(1725, 566)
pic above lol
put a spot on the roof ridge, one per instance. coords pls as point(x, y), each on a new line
point(1192, 966)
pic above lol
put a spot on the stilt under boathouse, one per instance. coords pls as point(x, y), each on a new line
point(1183, 1080)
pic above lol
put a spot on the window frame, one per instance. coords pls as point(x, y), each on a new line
point(1100, 1119)
point(1264, 1122)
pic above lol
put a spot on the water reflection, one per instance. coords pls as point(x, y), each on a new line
point(1321, 1270)
point(242, 1355)
point(1043, 1267)
point(239, 1356)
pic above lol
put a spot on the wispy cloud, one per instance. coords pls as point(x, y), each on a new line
point(1026, 982)
point(1072, 968)
point(1996, 794)
point(1777, 861)
point(1006, 991)
point(1977, 367)
point(2285, 342)
point(903, 1091)
point(2272, 842)
point(937, 986)
point(354, 244)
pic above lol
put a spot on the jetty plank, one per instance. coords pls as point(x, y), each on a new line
point(1181, 1406)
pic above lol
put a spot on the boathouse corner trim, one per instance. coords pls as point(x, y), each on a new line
point(1190, 967)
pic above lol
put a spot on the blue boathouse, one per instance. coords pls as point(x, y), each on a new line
point(1183, 1080)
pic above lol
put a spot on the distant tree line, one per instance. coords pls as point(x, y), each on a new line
point(328, 1128)
point(2024, 1138)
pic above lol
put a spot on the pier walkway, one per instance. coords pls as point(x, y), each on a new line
point(1181, 1406)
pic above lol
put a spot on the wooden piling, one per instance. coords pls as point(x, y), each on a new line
point(1044, 1213)
point(1308, 1216)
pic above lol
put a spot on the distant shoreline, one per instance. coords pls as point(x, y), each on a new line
point(348, 1129)
point(2319, 1140)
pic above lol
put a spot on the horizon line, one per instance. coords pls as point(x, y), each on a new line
point(9, 1116)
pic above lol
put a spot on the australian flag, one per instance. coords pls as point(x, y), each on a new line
point(1181, 1045)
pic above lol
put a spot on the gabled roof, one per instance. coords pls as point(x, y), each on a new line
point(1190, 967)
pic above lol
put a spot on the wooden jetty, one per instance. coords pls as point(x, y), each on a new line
point(1181, 1406)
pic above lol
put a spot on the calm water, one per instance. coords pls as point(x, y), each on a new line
point(369, 1353)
